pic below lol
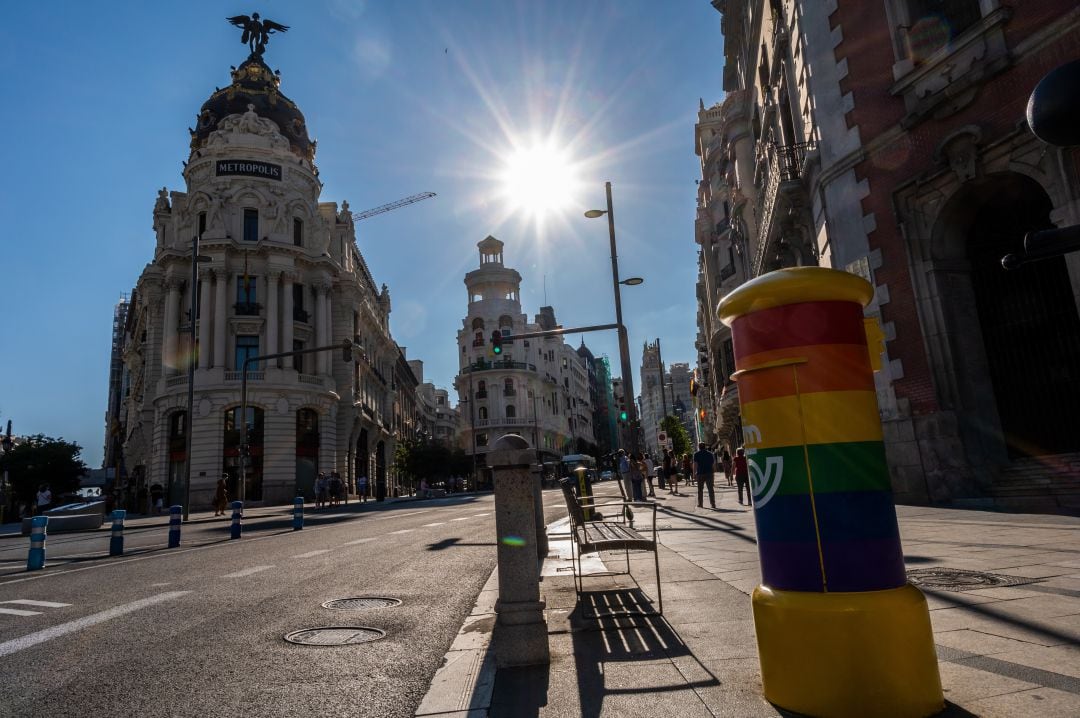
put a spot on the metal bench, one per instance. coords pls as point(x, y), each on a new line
point(598, 533)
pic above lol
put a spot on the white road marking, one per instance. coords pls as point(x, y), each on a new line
point(463, 518)
point(395, 515)
point(43, 604)
point(402, 531)
point(309, 554)
point(32, 639)
point(353, 543)
point(17, 612)
point(479, 515)
point(246, 572)
point(437, 523)
point(159, 584)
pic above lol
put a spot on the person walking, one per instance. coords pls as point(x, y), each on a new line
point(671, 468)
point(650, 474)
point(361, 487)
point(704, 468)
point(157, 497)
point(622, 465)
point(688, 468)
point(322, 487)
point(742, 474)
point(43, 500)
point(221, 498)
point(725, 464)
point(336, 487)
point(637, 477)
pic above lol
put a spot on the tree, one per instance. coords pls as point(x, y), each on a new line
point(43, 460)
point(680, 440)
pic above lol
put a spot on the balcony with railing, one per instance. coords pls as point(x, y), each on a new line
point(786, 167)
point(299, 315)
point(239, 375)
point(497, 366)
point(247, 309)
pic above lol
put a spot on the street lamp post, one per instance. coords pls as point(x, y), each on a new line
point(196, 258)
point(624, 345)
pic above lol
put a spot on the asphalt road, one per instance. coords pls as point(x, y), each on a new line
point(198, 630)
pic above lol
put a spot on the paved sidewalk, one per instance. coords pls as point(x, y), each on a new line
point(1007, 642)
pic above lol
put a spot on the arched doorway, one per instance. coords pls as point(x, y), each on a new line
point(177, 458)
point(380, 470)
point(363, 456)
point(231, 453)
point(307, 452)
point(1029, 322)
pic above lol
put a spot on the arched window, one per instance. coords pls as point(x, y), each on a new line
point(231, 459)
point(478, 324)
point(482, 412)
point(511, 411)
point(508, 387)
point(307, 451)
point(505, 322)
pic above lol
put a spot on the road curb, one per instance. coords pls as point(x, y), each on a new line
point(464, 683)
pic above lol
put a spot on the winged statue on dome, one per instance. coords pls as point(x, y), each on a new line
point(256, 32)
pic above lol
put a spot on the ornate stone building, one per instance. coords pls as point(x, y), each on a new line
point(538, 388)
point(919, 174)
point(282, 272)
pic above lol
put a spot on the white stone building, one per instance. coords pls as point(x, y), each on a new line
point(537, 388)
point(283, 273)
point(439, 419)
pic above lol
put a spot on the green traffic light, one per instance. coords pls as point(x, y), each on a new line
point(622, 416)
point(496, 349)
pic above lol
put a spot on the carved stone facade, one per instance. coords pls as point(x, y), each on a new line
point(926, 175)
point(280, 272)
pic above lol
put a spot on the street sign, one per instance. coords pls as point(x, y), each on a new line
point(662, 437)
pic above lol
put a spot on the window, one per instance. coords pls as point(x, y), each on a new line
point(481, 390)
point(246, 296)
point(247, 345)
point(298, 359)
point(298, 303)
point(481, 439)
point(202, 223)
point(511, 411)
point(298, 232)
point(482, 412)
point(233, 438)
point(251, 225)
point(508, 387)
point(478, 324)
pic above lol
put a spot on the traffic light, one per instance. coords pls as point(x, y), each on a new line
point(496, 342)
point(623, 416)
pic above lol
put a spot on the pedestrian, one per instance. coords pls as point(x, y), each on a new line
point(322, 488)
point(157, 498)
point(361, 487)
point(704, 468)
point(650, 474)
point(622, 464)
point(43, 500)
point(637, 477)
point(688, 468)
point(335, 488)
point(221, 498)
point(423, 488)
point(671, 468)
point(725, 464)
point(742, 474)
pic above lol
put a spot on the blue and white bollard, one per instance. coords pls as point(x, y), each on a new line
point(116, 543)
point(298, 513)
point(36, 560)
point(174, 525)
point(237, 514)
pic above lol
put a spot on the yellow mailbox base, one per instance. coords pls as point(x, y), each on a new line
point(848, 654)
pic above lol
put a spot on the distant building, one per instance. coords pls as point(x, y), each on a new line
point(113, 455)
point(439, 421)
point(538, 388)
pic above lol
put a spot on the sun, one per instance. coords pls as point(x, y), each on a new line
point(540, 179)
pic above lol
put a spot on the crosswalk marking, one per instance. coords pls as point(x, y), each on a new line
point(463, 518)
point(309, 554)
point(437, 523)
point(246, 572)
point(42, 604)
point(17, 612)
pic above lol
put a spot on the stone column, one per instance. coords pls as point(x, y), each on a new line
point(171, 338)
point(320, 327)
point(287, 319)
point(272, 317)
point(221, 286)
point(520, 637)
point(204, 319)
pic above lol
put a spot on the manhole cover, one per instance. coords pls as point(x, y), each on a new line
point(335, 635)
point(958, 579)
point(361, 602)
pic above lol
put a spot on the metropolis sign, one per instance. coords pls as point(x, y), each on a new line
point(248, 168)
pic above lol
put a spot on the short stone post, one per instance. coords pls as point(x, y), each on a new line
point(38, 529)
point(174, 525)
point(520, 637)
point(237, 517)
point(116, 542)
point(298, 513)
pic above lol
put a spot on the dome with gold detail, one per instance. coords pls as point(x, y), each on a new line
point(255, 85)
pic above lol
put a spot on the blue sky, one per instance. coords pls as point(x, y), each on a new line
point(403, 98)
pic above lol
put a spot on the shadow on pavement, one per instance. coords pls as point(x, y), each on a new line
point(987, 611)
point(707, 522)
point(455, 542)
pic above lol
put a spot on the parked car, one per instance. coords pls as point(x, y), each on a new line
point(606, 475)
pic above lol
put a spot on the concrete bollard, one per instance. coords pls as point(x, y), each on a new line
point(237, 517)
point(520, 636)
point(839, 629)
point(174, 525)
point(116, 543)
point(38, 531)
point(298, 513)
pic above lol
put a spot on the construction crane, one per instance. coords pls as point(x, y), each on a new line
point(404, 202)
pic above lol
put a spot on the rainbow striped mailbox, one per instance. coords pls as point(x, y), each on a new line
point(840, 631)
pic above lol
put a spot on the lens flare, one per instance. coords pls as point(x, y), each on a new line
point(515, 541)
